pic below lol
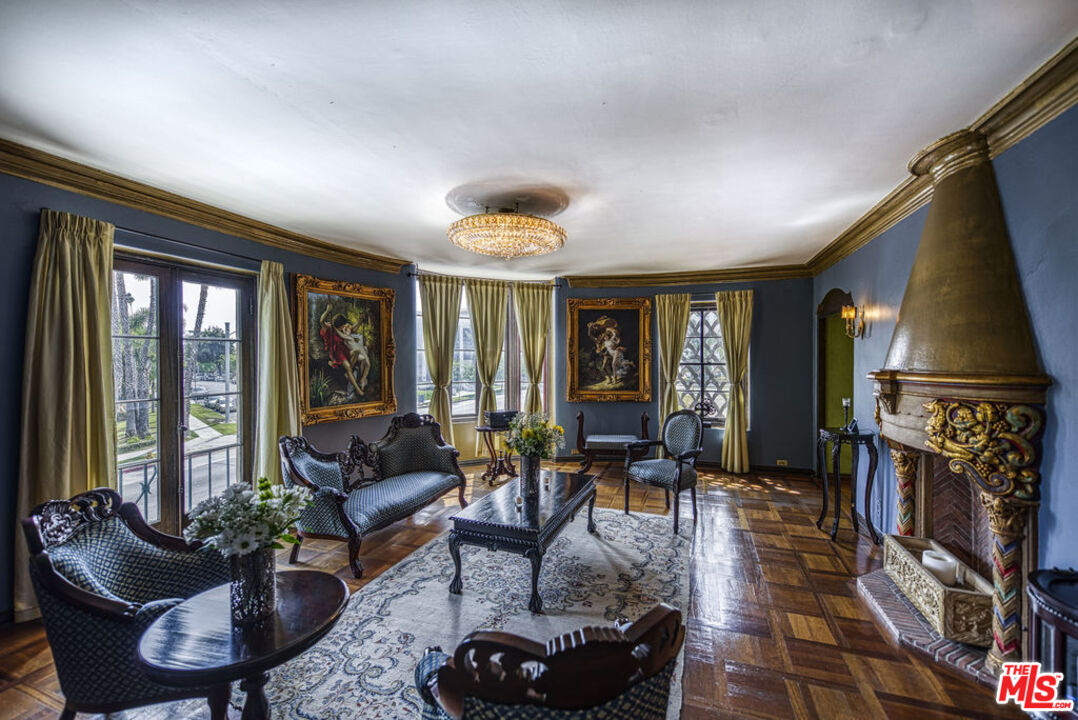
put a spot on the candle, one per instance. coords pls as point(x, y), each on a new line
point(940, 564)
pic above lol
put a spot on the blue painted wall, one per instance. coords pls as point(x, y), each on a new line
point(781, 415)
point(20, 204)
point(1038, 182)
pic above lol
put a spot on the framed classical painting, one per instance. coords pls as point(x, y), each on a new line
point(344, 339)
point(609, 349)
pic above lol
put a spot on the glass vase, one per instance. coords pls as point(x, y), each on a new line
point(529, 476)
point(254, 586)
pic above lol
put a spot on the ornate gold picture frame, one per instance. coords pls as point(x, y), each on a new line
point(345, 349)
point(609, 349)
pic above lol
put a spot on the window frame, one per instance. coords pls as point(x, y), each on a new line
point(171, 273)
point(511, 348)
point(703, 307)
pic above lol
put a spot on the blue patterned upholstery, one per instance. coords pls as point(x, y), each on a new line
point(319, 472)
point(663, 473)
point(412, 468)
point(412, 449)
point(646, 700)
point(95, 653)
point(108, 559)
point(395, 497)
point(681, 434)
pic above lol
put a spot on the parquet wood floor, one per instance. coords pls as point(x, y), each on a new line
point(775, 627)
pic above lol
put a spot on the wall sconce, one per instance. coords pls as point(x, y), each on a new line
point(855, 320)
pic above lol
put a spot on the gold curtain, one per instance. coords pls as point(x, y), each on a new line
point(734, 309)
point(532, 301)
point(68, 413)
point(440, 298)
point(672, 312)
point(487, 302)
point(278, 376)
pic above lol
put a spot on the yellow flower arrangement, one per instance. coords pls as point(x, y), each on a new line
point(534, 435)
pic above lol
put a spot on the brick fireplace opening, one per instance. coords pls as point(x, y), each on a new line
point(958, 520)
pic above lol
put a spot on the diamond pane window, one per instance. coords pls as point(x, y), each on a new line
point(702, 377)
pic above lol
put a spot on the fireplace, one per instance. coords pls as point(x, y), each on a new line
point(960, 399)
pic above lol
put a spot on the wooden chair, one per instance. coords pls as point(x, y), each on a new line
point(595, 672)
point(682, 440)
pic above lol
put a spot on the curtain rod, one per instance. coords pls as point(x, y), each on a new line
point(188, 244)
point(553, 283)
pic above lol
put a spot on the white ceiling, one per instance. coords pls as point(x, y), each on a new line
point(688, 135)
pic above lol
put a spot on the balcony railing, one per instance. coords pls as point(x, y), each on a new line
point(207, 472)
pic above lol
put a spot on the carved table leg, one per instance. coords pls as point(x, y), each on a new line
point(591, 508)
point(821, 450)
point(855, 458)
point(456, 585)
point(535, 603)
point(257, 706)
point(1007, 521)
point(218, 701)
point(873, 460)
point(836, 450)
point(492, 464)
point(906, 469)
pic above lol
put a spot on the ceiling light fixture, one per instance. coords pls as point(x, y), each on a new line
point(507, 234)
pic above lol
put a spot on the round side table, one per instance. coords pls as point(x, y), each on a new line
point(195, 643)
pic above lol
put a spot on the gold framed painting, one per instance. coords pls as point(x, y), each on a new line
point(609, 349)
point(344, 342)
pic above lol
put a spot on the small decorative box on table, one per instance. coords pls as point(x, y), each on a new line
point(962, 612)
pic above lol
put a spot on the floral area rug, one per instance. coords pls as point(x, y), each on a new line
point(364, 667)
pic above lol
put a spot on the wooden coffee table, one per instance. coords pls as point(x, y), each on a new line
point(495, 521)
point(194, 643)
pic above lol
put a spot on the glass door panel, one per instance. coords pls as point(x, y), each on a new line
point(136, 381)
point(212, 386)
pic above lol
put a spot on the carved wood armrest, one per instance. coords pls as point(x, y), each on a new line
point(130, 514)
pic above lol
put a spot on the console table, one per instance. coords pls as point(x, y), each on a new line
point(195, 643)
point(501, 462)
point(839, 437)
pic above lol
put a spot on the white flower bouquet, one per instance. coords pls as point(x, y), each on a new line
point(242, 520)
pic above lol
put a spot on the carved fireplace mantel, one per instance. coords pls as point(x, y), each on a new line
point(962, 381)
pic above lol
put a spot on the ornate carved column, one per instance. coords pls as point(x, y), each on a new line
point(906, 466)
point(1007, 520)
point(994, 444)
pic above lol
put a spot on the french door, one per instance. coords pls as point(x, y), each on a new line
point(183, 368)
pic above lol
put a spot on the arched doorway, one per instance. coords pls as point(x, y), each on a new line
point(835, 364)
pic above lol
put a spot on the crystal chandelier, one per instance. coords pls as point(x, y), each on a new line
point(507, 234)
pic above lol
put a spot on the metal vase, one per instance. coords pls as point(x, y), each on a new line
point(254, 586)
point(529, 476)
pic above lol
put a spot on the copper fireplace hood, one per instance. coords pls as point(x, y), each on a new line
point(962, 379)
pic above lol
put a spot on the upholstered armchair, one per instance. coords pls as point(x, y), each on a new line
point(411, 467)
point(682, 441)
point(102, 575)
point(592, 673)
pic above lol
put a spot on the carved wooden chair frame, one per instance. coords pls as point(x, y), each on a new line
point(575, 671)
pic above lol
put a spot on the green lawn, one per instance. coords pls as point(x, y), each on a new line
point(203, 413)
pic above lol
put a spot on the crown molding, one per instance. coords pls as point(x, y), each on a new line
point(42, 167)
point(698, 277)
point(1036, 101)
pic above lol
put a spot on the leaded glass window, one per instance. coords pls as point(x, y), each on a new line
point(702, 377)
